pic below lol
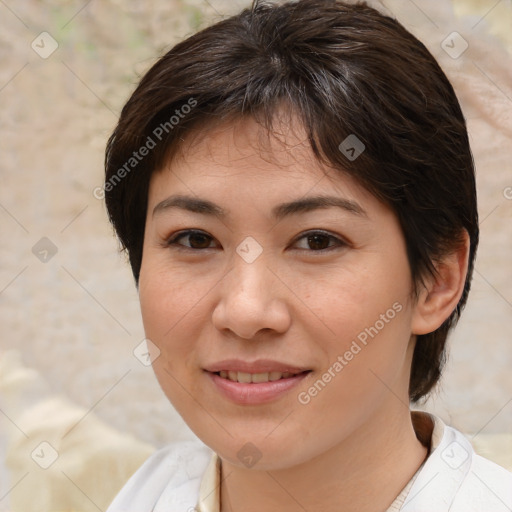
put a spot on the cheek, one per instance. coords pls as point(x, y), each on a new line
point(168, 294)
point(170, 304)
point(353, 298)
point(363, 364)
point(365, 315)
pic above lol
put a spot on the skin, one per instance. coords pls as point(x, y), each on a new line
point(354, 442)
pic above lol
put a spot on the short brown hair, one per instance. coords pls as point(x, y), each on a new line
point(346, 70)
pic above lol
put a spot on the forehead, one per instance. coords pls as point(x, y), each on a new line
point(243, 152)
point(243, 142)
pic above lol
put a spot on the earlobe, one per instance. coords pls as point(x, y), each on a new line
point(441, 293)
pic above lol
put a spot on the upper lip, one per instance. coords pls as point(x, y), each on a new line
point(258, 366)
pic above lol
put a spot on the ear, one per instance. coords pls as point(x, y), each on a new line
point(441, 294)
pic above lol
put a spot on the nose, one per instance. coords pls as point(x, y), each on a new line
point(252, 299)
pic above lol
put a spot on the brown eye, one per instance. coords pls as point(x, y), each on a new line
point(197, 240)
point(319, 241)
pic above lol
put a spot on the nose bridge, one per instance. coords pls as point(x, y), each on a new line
point(250, 281)
point(249, 300)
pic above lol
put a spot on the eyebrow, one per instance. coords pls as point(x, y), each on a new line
point(303, 205)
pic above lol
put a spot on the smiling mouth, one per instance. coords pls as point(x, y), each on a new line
point(256, 378)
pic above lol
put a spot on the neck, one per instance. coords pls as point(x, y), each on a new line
point(364, 472)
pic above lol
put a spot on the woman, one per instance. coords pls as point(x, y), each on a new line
point(295, 189)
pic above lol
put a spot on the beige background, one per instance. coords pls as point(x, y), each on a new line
point(68, 375)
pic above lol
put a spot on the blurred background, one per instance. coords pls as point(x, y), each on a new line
point(79, 408)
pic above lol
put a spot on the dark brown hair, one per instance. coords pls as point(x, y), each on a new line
point(344, 69)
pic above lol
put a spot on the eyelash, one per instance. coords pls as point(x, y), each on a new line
point(173, 241)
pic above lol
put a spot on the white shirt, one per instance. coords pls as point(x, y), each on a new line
point(185, 476)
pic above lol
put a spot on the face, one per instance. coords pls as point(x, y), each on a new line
point(277, 294)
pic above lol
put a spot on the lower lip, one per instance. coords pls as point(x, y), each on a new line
point(255, 393)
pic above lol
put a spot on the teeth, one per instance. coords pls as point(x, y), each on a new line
point(259, 377)
point(254, 377)
point(243, 377)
